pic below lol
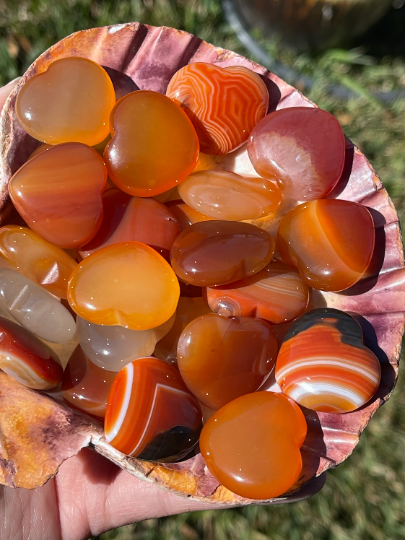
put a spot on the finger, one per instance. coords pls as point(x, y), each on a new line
point(5, 91)
point(96, 496)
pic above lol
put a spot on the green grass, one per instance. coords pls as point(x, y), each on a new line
point(364, 499)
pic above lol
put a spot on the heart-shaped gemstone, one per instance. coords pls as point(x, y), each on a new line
point(330, 241)
point(70, 102)
point(252, 445)
point(58, 193)
point(127, 284)
point(150, 413)
point(221, 359)
point(224, 104)
point(324, 365)
point(302, 148)
point(153, 147)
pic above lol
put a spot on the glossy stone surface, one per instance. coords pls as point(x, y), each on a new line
point(188, 309)
point(150, 413)
point(228, 196)
point(324, 365)
point(70, 102)
point(58, 194)
point(28, 253)
point(300, 147)
point(112, 347)
point(221, 359)
point(224, 104)
point(127, 284)
point(276, 293)
point(219, 252)
point(153, 147)
point(85, 386)
point(129, 218)
point(331, 242)
point(34, 308)
point(252, 445)
point(26, 358)
point(186, 215)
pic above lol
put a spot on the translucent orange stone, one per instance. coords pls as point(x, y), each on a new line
point(224, 104)
point(85, 386)
point(186, 215)
point(330, 241)
point(276, 293)
point(229, 196)
point(218, 252)
point(129, 218)
point(40, 150)
point(28, 253)
point(153, 147)
point(187, 310)
point(127, 284)
point(70, 102)
point(300, 147)
point(150, 413)
point(221, 359)
point(58, 193)
point(252, 445)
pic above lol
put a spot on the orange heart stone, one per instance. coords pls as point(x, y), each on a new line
point(70, 102)
point(153, 147)
point(224, 104)
point(58, 193)
point(252, 445)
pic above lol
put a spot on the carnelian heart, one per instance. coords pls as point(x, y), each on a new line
point(300, 147)
point(127, 284)
point(70, 102)
point(324, 365)
point(221, 359)
point(58, 193)
point(129, 218)
point(150, 413)
point(224, 104)
point(153, 147)
point(330, 241)
point(252, 445)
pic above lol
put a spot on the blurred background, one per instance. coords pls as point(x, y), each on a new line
point(349, 57)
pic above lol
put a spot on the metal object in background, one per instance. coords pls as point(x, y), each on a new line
point(293, 77)
point(312, 24)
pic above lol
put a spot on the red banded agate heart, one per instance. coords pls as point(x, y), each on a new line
point(224, 104)
point(150, 413)
point(324, 365)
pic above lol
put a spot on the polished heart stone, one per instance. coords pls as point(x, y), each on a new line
point(58, 194)
point(224, 104)
point(221, 359)
point(153, 147)
point(127, 284)
point(85, 386)
point(150, 413)
point(229, 196)
point(28, 253)
point(188, 309)
point(112, 347)
point(138, 219)
point(324, 365)
point(26, 358)
point(186, 215)
point(331, 242)
point(70, 102)
point(34, 308)
point(218, 252)
point(302, 148)
point(252, 445)
point(276, 293)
